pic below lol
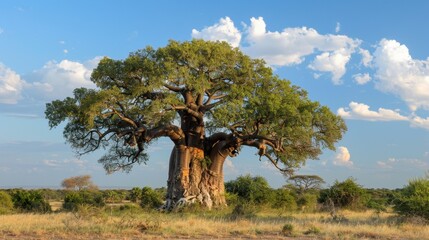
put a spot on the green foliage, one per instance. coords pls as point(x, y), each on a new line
point(30, 201)
point(307, 202)
point(135, 194)
point(6, 203)
point(74, 199)
point(284, 200)
point(414, 199)
point(243, 210)
point(347, 194)
point(150, 199)
point(250, 189)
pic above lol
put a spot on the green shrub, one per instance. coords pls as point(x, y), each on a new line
point(150, 198)
point(307, 202)
point(347, 194)
point(284, 200)
point(243, 210)
point(6, 203)
point(414, 199)
point(251, 189)
point(73, 200)
point(30, 201)
point(135, 194)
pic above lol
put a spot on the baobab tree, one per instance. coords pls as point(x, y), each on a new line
point(210, 100)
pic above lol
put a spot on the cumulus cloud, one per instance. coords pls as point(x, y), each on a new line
point(288, 47)
point(11, 85)
point(366, 57)
point(398, 73)
point(342, 158)
point(222, 31)
point(57, 80)
point(334, 62)
point(362, 112)
point(362, 78)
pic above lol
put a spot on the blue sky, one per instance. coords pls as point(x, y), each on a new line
point(367, 60)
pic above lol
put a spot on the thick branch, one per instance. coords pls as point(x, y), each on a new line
point(173, 132)
point(173, 88)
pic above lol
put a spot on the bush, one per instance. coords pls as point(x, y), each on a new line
point(307, 202)
point(150, 198)
point(414, 199)
point(284, 200)
point(6, 203)
point(135, 194)
point(347, 194)
point(30, 201)
point(73, 200)
point(251, 189)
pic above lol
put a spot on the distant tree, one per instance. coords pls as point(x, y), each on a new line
point(210, 100)
point(304, 183)
point(79, 183)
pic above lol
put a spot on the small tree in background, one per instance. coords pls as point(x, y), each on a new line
point(305, 183)
point(83, 182)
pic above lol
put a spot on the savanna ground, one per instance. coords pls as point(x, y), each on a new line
point(131, 222)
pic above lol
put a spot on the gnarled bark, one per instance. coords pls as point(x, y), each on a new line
point(195, 177)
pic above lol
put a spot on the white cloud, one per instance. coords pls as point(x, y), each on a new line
point(65, 51)
point(222, 31)
point(334, 62)
point(366, 57)
point(11, 85)
point(289, 47)
point(361, 111)
point(401, 163)
point(398, 73)
point(343, 157)
point(420, 122)
point(337, 27)
point(57, 80)
point(362, 79)
point(65, 163)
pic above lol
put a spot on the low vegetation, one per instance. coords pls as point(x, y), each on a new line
point(343, 211)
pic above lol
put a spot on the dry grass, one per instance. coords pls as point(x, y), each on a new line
point(95, 224)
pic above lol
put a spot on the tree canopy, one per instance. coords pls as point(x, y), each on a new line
point(177, 90)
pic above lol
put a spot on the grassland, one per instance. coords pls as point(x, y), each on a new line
point(134, 223)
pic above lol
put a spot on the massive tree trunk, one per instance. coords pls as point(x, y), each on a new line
point(196, 168)
point(195, 177)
